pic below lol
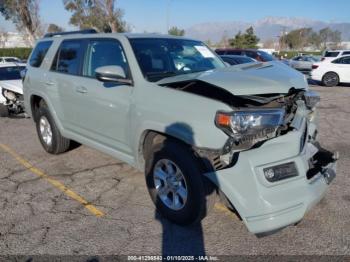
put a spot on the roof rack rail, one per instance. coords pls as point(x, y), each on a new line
point(85, 31)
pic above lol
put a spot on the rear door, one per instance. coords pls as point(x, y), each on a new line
point(343, 69)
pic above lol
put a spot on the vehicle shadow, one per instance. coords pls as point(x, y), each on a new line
point(184, 240)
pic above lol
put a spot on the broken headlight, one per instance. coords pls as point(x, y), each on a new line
point(251, 125)
point(312, 98)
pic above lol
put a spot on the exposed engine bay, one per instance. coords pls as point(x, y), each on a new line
point(14, 101)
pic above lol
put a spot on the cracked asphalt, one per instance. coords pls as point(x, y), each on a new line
point(38, 218)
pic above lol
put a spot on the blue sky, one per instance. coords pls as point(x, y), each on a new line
point(151, 15)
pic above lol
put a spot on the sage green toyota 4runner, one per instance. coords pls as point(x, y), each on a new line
point(172, 108)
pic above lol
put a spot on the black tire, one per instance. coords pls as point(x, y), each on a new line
point(201, 192)
point(4, 111)
point(330, 79)
point(59, 144)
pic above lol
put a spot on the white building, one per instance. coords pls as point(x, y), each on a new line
point(13, 39)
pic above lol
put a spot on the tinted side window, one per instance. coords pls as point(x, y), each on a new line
point(346, 60)
point(104, 52)
point(39, 53)
point(331, 54)
point(68, 57)
point(346, 53)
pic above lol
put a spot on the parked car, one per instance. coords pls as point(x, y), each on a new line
point(237, 59)
point(257, 55)
point(11, 89)
point(170, 107)
point(332, 72)
point(330, 55)
point(7, 59)
point(303, 63)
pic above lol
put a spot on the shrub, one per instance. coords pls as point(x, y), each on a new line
point(20, 52)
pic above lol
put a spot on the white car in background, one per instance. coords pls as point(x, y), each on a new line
point(332, 72)
point(333, 54)
point(11, 89)
point(9, 59)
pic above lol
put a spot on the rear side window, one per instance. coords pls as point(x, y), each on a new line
point(39, 53)
point(69, 57)
point(343, 60)
point(346, 53)
point(331, 54)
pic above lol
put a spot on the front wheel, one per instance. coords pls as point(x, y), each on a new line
point(176, 183)
point(330, 79)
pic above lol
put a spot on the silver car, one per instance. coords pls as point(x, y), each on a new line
point(303, 63)
point(170, 107)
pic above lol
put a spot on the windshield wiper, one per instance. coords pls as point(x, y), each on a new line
point(160, 75)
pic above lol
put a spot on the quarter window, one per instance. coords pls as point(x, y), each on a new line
point(104, 52)
point(39, 53)
point(68, 57)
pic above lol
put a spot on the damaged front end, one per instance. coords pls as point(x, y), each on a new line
point(14, 101)
point(255, 119)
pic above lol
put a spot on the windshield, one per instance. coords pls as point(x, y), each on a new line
point(11, 72)
point(159, 58)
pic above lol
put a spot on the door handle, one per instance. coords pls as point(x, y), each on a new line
point(81, 89)
point(49, 83)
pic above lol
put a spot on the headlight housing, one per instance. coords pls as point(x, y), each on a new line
point(250, 125)
point(312, 98)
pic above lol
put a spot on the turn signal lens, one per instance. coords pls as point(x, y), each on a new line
point(223, 120)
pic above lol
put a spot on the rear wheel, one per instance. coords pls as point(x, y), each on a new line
point(176, 183)
point(49, 135)
point(4, 111)
point(330, 79)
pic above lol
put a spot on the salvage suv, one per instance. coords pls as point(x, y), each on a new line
point(170, 107)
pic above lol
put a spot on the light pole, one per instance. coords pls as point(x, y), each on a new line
point(168, 15)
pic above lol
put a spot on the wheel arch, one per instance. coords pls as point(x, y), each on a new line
point(331, 72)
point(149, 137)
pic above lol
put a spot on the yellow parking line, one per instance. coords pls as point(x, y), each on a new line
point(220, 207)
point(53, 181)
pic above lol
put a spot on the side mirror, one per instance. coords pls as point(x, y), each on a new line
point(112, 74)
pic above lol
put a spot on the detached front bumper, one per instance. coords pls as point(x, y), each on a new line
point(266, 206)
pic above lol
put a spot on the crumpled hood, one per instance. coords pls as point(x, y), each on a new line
point(13, 85)
point(248, 79)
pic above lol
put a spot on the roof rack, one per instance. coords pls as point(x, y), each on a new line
point(85, 31)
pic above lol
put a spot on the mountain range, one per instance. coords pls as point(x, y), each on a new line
point(266, 28)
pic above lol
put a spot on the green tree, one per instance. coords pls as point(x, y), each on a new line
point(176, 31)
point(53, 28)
point(101, 15)
point(25, 15)
point(246, 40)
point(305, 37)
